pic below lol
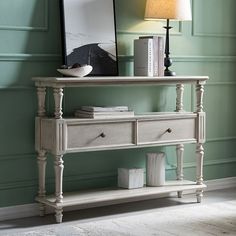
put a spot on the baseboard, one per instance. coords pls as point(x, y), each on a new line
point(19, 211)
point(223, 183)
point(29, 210)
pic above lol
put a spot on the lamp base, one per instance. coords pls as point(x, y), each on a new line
point(169, 73)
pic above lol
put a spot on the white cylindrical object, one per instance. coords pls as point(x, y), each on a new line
point(155, 169)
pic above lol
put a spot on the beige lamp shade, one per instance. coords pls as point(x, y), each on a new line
point(168, 9)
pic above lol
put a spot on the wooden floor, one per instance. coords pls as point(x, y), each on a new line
point(216, 215)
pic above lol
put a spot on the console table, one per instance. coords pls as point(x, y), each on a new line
point(58, 135)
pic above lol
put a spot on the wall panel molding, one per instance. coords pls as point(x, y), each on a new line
point(18, 184)
point(196, 21)
point(220, 161)
point(179, 31)
point(221, 83)
point(50, 181)
point(20, 156)
point(15, 88)
point(221, 139)
point(43, 27)
point(187, 58)
point(29, 57)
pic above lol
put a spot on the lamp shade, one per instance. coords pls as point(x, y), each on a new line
point(168, 9)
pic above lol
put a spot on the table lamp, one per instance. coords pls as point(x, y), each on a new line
point(169, 10)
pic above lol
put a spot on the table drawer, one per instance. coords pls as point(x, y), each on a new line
point(97, 135)
point(166, 130)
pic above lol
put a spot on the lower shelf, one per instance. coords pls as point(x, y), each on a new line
point(109, 196)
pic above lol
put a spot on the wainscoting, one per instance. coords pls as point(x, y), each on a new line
point(30, 45)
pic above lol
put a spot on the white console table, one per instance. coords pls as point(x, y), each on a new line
point(58, 136)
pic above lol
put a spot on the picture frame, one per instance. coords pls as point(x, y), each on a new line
point(89, 35)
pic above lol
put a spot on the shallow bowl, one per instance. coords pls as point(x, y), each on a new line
point(76, 72)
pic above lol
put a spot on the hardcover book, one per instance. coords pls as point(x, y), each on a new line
point(104, 109)
point(143, 57)
point(149, 56)
point(102, 114)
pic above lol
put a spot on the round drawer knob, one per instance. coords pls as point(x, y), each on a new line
point(102, 135)
point(169, 130)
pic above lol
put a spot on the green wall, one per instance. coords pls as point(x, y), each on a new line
point(30, 46)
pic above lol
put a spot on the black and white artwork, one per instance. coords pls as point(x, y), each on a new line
point(89, 37)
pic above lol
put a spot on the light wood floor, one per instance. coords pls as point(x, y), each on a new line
point(32, 226)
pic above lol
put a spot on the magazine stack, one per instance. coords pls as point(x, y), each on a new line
point(95, 112)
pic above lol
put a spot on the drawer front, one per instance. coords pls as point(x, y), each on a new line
point(166, 130)
point(97, 135)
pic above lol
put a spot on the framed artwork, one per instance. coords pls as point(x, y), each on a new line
point(89, 35)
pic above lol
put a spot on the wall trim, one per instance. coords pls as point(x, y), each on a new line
point(172, 32)
point(44, 27)
point(16, 156)
point(212, 162)
point(227, 83)
point(29, 57)
point(206, 34)
point(6, 88)
point(206, 163)
point(223, 183)
point(19, 211)
point(186, 58)
point(207, 58)
point(222, 139)
point(29, 210)
point(50, 181)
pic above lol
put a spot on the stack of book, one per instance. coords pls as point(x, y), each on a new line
point(149, 56)
point(95, 112)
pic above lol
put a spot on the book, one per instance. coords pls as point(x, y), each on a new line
point(102, 115)
point(152, 65)
point(143, 57)
point(161, 56)
point(104, 109)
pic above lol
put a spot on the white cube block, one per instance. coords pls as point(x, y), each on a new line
point(130, 178)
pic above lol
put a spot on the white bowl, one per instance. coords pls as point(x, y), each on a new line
point(76, 72)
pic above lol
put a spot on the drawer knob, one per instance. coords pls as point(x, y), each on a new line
point(102, 135)
point(169, 130)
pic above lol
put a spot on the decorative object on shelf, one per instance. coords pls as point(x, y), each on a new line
point(103, 112)
point(105, 109)
point(79, 71)
point(88, 35)
point(169, 10)
point(130, 178)
point(155, 169)
point(149, 56)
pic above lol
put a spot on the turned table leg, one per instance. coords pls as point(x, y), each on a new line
point(58, 167)
point(179, 147)
point(199, 170)
point(179, 98)
point(58, 214)
point(201, 139)
point(41, 93)
point(58, 97)
point(41, 158)
point(179, 170)
point(41, 170)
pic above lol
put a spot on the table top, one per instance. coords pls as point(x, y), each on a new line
point(116, 80)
